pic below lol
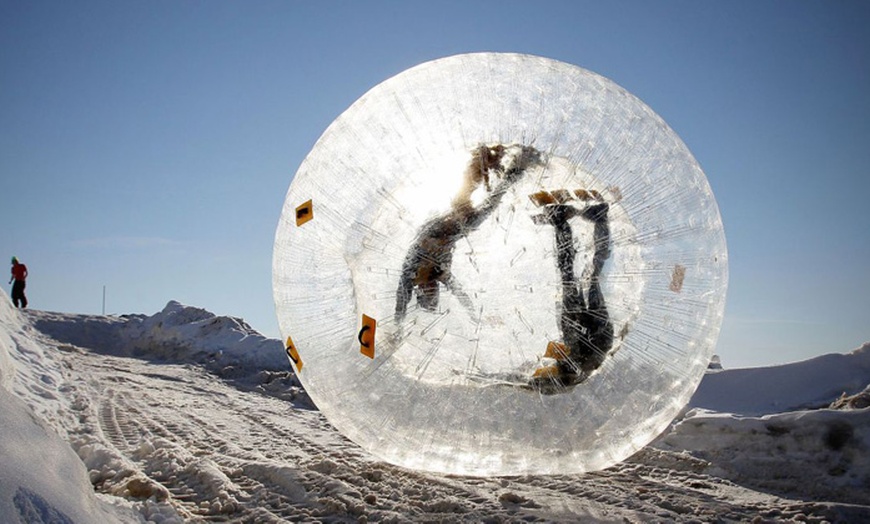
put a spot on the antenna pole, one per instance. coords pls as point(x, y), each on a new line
point(104, 299)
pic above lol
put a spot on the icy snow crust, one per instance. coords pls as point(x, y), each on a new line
point(395, 160)
point(160, 439)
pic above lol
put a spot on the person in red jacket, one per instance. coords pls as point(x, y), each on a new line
point(19, 274)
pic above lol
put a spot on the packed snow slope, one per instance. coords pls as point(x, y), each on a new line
point(186, 416)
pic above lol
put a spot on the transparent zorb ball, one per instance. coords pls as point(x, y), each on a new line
point(500, 264)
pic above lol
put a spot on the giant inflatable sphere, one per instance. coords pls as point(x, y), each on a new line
point(500, 264)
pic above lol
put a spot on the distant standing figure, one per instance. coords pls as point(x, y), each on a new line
point(19, 274)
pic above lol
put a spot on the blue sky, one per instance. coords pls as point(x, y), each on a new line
point(147, 146)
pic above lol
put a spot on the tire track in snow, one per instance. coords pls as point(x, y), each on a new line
point(225, 455)
point(331, 474)
point(173, 463)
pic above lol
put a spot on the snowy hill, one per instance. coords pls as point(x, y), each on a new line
point(811, 384)
point(225, 346)
point(184, 415)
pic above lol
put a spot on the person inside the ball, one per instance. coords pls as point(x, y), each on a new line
point(427, 265)
point(584, 322)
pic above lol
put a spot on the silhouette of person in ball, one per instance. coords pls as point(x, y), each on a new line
point(584, 322)
point(427, 265)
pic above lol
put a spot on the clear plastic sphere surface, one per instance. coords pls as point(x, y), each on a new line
point(500, 264)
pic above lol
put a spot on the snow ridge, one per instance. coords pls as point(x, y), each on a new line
point(226, 346)
point(809, 384)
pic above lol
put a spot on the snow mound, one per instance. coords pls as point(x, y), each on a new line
point(799, 429)
point(226, 346)
point(813, 383)
point(178, 333)
point(821, 454)
point(187, 333)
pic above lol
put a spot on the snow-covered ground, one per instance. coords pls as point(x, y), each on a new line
point(185, 416)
